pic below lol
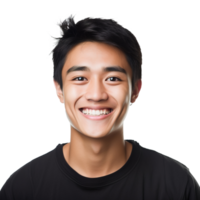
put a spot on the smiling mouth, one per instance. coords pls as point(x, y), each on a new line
point(110, 110)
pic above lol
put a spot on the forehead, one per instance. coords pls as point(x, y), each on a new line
point(96, 55)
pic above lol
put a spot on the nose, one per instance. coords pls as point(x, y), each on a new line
point(96, 90)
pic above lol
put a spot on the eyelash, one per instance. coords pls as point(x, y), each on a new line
point(108, 78)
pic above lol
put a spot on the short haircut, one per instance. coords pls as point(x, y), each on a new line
point(106, 31)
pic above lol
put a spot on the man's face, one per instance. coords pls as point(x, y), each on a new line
point(96, 88)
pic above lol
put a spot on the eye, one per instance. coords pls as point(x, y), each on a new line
point(115, 78)
point(108, 78)
point(78, 77)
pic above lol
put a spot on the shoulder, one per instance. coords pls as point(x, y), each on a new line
point(176, 176)
point(163, 162)
point(20, 185)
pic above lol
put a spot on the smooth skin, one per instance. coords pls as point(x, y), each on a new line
point(97, 147)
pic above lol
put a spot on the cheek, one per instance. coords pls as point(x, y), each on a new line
point(121, 94)
point(70, 93)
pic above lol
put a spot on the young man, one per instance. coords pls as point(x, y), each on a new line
point(97, 147)
point(97, 75)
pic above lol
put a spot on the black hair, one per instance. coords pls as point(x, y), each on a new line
point(106, 31)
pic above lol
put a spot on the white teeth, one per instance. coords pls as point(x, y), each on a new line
point(95, 112)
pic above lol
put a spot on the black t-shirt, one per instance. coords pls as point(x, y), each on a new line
point(147, 175)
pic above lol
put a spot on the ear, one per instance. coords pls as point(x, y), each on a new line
point(59, 91)
point(136, 90)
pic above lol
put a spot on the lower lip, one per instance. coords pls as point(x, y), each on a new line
point(96, 117)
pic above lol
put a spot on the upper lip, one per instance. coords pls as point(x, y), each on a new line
point(96, 107)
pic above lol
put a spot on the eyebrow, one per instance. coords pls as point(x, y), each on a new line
point(105, 69)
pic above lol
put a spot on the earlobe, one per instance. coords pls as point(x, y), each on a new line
point(137, 92)
point(133, 98)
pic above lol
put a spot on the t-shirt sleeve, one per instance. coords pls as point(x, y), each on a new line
point(192, 190)
point(18, 186)
point(180, 183)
